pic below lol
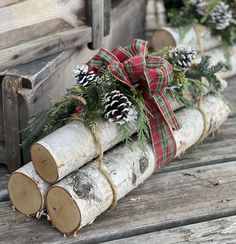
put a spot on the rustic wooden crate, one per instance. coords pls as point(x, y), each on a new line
point(29, 90)
point(32, 29)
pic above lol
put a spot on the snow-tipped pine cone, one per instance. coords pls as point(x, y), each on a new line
point(182, 57)
point(221, 16)
point(118, 108)
point(83, 76)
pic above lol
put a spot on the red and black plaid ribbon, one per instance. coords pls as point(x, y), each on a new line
point(153, 74)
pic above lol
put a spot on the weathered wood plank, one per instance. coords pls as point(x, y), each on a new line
point(218, 231)
point(40, 70)
point(3, 177)
point(39, 11)
point(166, 200)
point(44, 46)
point(2, 153)
point(107, 17)
point(10, 86)
point(41, 29)
point(1, 115)
point(229, 92)
point(95, 16)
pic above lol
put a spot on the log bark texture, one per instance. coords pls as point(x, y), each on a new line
point(55, 158)
point(168, 36)
point(27, 190)
point(85, 194)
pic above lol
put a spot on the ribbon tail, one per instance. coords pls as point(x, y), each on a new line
point(163, 141)
point(166, 110)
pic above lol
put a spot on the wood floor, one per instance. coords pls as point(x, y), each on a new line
point(193, 200)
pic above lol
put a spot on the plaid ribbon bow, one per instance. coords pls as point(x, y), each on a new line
point(150, 74)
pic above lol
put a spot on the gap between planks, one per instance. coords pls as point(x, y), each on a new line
point(217, 231)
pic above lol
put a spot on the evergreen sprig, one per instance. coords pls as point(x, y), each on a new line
point(91, 98)
point(184, 15)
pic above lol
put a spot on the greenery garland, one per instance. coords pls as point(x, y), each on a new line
point(86, 100)
point(218, 16)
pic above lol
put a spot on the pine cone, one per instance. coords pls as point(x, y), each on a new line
point(182, 57)
point(221, 16)
point(118, 108)
point(201, 6)
point(83, 77)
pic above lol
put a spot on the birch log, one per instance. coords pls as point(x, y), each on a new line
point(73, 145)
point(85, 194)
point(27, 190)
point(217, 54)
point(168, 36)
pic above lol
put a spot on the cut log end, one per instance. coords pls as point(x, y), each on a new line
point(24, 194)
point(63, 210)
point(44, 163)
point(161, 39)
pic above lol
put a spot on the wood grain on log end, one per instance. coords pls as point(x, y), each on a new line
point(162, 38)
point(63, 209)
point(24, 194)
point(44, 163)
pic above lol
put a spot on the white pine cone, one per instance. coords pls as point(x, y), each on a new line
point(83, 76)
point(118, 108)
point(221, 16)
point(182, 57)
point(201, 6)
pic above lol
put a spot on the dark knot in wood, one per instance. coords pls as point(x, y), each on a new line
point(143, 164)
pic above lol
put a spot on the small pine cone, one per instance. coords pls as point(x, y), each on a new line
point(118, 108)
point(221, 16)
point(182, 57)
point(83, 76)
point(201, 6)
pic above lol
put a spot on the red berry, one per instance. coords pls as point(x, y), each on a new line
point(78, 109)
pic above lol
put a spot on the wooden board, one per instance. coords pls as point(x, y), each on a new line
point(95, 16)
point(44, 46)
point(217, 231)
point(3, 177)
point(48, 27)
point(10, 86)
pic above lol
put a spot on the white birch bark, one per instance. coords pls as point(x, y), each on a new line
point(73, 145)
point(87, 191)
point(217, 55)
point(169, 36)
point(27, 190)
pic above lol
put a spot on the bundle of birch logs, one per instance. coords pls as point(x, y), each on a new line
point(199, 38)
point(80, 194)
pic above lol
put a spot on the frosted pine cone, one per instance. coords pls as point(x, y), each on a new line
point(221, 16)
point(182, 57)
point(118, 108)
point(83, 76)
point(201, 6)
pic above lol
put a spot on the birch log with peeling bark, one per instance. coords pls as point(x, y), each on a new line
point(73, 145)
point(85, 194)
point(27, 190)
point(170, 37)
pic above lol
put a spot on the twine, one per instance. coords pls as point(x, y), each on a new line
point(197, 29)
point(100, 165)
point(205, 122)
